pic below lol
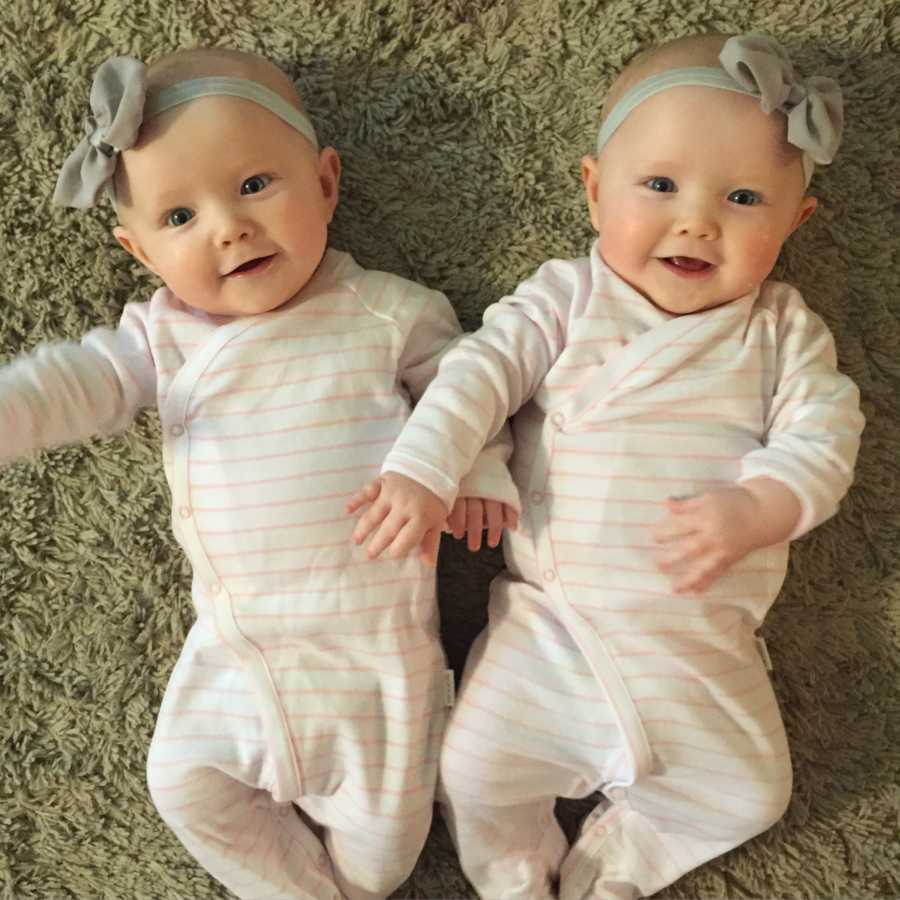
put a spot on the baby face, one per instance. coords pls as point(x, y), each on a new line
point(228, 204)
point(693, 196)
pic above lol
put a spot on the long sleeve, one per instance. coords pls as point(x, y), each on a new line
point(67, 392)
point(483, 380)
point(814, 422)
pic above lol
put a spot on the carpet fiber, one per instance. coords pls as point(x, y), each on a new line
point(460, 124)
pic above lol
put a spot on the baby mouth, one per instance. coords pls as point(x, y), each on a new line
point(687, 263)
point(252, 265)
point(687, 266)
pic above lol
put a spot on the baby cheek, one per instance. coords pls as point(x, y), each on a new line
point(760, 253)
point(624, 242)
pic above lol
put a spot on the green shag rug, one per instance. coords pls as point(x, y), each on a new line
point(461, 124)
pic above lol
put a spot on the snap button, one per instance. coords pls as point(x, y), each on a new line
point(176, 430)
point(214, 588)
point(549, 575)
point(184, 512)
point(537, 497)
point(558, 420)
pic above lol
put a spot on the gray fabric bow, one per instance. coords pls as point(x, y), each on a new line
point(117, 107)
point(813, 106)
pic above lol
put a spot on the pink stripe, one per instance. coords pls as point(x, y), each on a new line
point(297, 476)
point(532, 704)
point(641, 479)
point(279, 408)
point(292, 548)
point(632, 454)
point(287, 526)
point(426, 578)
point(500, 761)
point(350, 648)
point(598, 698)
point(292, 382)
point(542, 657)
point(294, 357)
point(330, 448)
point(527, 726)
point(318, 614)
point(708, 728)
point(706, 676)
point(305, 426)
point(357, 741)
point(307, 570)
point(737, 599)
point(727, 753)
point(272, 504)
point(377, 631)
point(652, 570)
point(731, 695)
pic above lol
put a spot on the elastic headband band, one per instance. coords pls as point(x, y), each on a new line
point(243, 88)
point(118, 109)
point(757, 66)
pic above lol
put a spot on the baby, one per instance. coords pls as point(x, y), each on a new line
point(282, 371)
point(679, 419)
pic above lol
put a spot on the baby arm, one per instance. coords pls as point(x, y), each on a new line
point(67, 392)
point(790, 484)
point(482, 380)
point(703, 536)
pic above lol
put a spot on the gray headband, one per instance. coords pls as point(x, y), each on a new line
point(758, 66)
point(118, 108)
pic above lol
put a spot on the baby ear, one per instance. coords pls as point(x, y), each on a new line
point(330, 177)
point(590, 178)
point(127, 240)
point(806, 209)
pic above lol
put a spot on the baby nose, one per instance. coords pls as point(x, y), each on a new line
point(231, 228)
point(698, 222)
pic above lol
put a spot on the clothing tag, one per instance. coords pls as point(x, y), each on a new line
point(449, 688)
point(764, 652)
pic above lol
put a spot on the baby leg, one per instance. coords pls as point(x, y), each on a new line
point(499, 809)
point(254, 846)
point(671, 822)
point(373, 839)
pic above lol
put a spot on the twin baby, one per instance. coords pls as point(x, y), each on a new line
point(677, 420)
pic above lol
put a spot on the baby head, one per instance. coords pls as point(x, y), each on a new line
point(703, 161)
point(219, 184)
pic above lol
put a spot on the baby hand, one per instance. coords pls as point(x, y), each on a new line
point(402, 515)
point(703, 536)
point(471, 516)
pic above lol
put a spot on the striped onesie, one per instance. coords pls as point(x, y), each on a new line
point(592, 675)
point(312, 676)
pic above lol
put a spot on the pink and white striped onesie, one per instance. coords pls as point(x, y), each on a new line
point(312, 676)
point(592, 675)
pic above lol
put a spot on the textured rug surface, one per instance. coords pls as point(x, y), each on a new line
point(460, 124)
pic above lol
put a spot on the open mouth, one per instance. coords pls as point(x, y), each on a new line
point(251, 266)
point(687, 266)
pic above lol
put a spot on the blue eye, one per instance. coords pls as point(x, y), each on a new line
point(180, 216)
point(745, 197)
point(661, 184)
point(255, 183)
